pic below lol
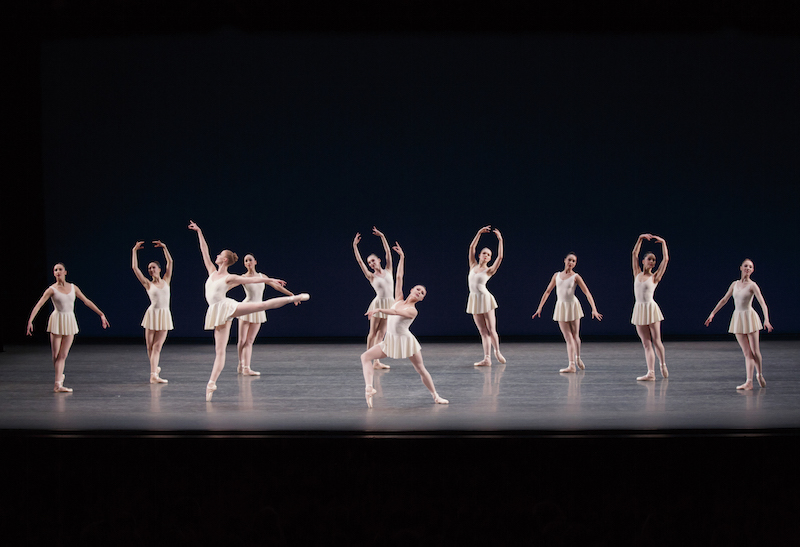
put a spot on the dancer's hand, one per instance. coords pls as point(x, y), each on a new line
point(357, 239)
point(104, 322)
point(398, 249)
point(193, 226)
point(768, 326)
point(648, 237)
point(485, 229)
point(709, 320)
point(497, 233)
point(377, 232)
point(157, 243)
point(29, 330)
point(597, 315)
point(537, 314)
point(139, 245)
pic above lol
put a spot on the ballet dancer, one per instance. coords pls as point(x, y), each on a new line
point(381, 280)
point(157, 319)
point(745, 322)
point(647, 315)
point(62, 324)
point(568, 310)
point(222, 310)
point(250, 324)
point(481, 303)
point(399, 343)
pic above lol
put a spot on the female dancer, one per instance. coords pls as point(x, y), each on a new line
point(568, 310)
point(381, 280)
point(647, 315)
point(481, 303)
point(250, 324)
point(222, 310)
point(62, 325)
point(399, 342)
point(745, 323)
point(157, 319)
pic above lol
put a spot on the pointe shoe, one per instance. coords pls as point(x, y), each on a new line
point(247, 371)
point(570, 368)
point(210, 389)
point(377, 365)
point(369, 391)
point(59, 386)
point(239, 367)
point(487, 362)
point(649, 377)
point(747, 386)
point(302, 297)
point(499, 357)
point(664, 371)
point(580, 363)
point(761, 381)
point(439, 400)
point(156, 379)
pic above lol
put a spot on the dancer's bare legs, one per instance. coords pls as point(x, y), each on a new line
point(752, 359)
point(247, 337)
point(487, 327)
point(645, 336)
point(377, 330)
point(59, 346)
point(655, 336)
point(154, 339)
point(568, 330)
point(375, 352)
point(416, 360)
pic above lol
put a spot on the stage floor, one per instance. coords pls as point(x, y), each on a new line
point(318, 388)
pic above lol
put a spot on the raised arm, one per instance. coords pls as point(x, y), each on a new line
point(595, 314)
point(47, 294)
point(168, 262)
point(401, 267)
point(203, 248)
point(386, 248)
point(635, 254)
point(360, 260)
point(762, 302)
point(91, 305)
point(722, 302)
point(474, 245)
point(664, 259)
point(496, 264)
point(545, 296)
point(135, 265)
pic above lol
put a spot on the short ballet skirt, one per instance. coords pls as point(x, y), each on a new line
point(220, 313)
point(62, 323)
point(400, 347)
point(745, 322)
point(646, 313)
point(567, 311)
point(480, 303)
point(157, 319)
point(255, 317)
point(380, 304)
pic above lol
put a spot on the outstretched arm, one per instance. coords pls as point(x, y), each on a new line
point(401, 270)
point(763, 304)
point(722, 302)
point(388, 251)
point(545, 296)
point(406, 311)
point(635, 254)
point(494, 267)
point(203, 247)
point(135, 265)
point(664, 259)
point(91, 306)
point(169, 264)
point(474, 245)
point(359, 260)
point(595, 314)
point(47, 294)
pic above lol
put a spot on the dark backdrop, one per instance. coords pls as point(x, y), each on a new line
point(283, 136)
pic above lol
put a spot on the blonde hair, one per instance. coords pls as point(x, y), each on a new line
point(231, 256)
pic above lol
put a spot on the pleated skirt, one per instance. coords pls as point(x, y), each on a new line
point(745, 322)
point(481, 303)
point(220, 313)
point(646, 313)
point(567, 311)
point(255, 317)
point(157, 319)
point(380, 304)
point(62, 323)
point(400, 347)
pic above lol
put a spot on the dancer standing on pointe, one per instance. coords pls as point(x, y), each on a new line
point(222, 310)
point(568, 310)
point(399, 342)
point(481, 303)
point(381, 280)
point(250, 324)
point(647, 315)
point(745, 322)
point(62, 324)
point(157, 319)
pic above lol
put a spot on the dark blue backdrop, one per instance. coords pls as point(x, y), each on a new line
point(285, 145)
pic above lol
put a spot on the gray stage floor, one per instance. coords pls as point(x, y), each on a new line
point(319, 388)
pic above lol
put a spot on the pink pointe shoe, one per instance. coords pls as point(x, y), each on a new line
point(369, 391)
point(649, 377)
point(210, 389)
point(59, 386)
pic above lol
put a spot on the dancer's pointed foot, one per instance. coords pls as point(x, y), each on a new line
point(747, 386)
point(376, 364)
point(302, 297)
point(487, 362)
point(59, 386)
point(247, 371)
point(439, 400)
point(210, 389)
point(499, 357)
point(664, 371)
point(570, 368)
point(580, 364)
point(369, 391)
point(156, 379)
point(761, 381)
point(649, 377)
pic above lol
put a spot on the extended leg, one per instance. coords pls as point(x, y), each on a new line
point(375, 352)
point(483, 329)
point(491, 326)
point(658, 345)
point(566, 331)
point(419, 366)
point(377, 330)
point(155, 340)
point(749, 359)
point(644, 335)
point(59, 346)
